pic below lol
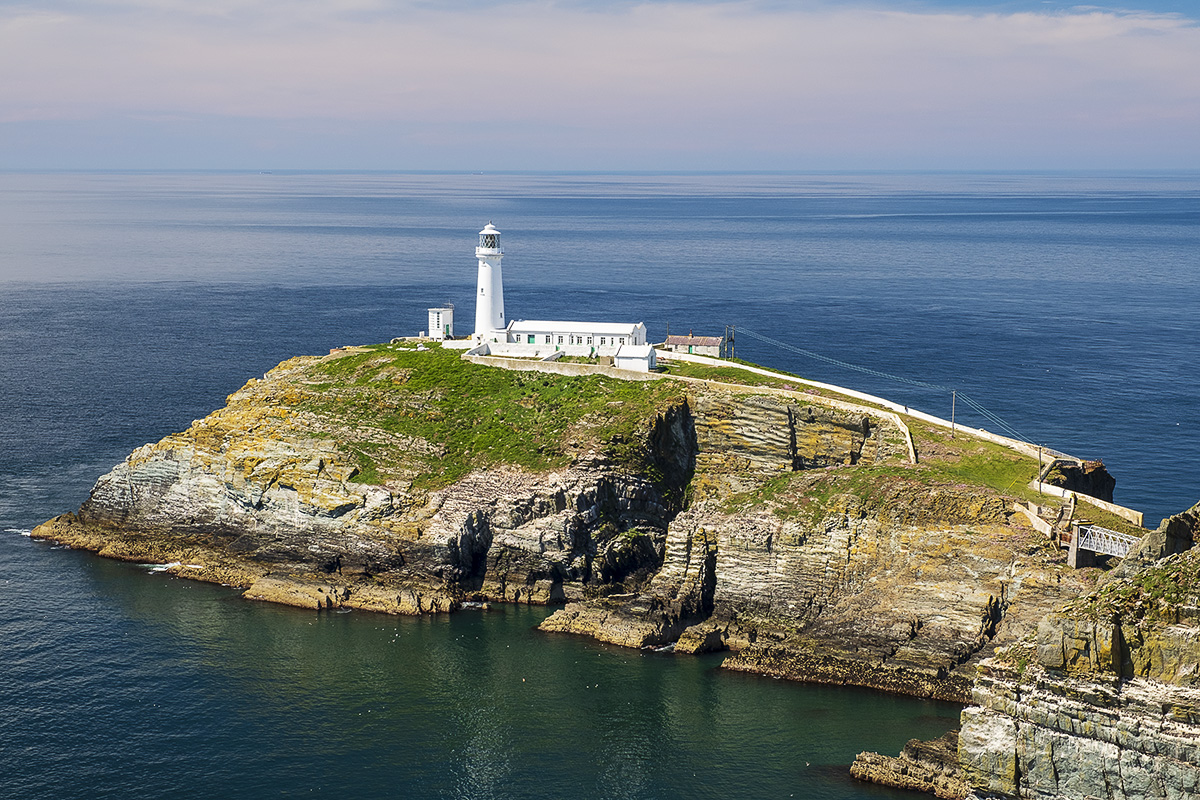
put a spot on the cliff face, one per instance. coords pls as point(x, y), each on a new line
point(904, 591)
point(1089, 477)
point(1103, 700)
point(793, 532)
point(270, 492)
point(815, 551)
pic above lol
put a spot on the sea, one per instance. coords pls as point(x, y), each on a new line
point(1064, 305)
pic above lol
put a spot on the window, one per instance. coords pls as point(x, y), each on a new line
point(622, 340)
point(547, 338)
point(589, 340)
point(560, 340)
point(602, 341)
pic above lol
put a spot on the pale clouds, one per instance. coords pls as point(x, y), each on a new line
point(794, 87)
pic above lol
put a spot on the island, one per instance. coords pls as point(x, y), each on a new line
point(708, 505)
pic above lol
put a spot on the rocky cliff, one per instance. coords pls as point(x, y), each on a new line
point(858, 568)
point(790, 528)
point(407, 481)
point(1103, 700)
point(930, 767)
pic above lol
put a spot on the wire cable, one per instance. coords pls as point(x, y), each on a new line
point(988, 415)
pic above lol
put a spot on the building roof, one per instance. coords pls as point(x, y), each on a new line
point(634, 351)
point(553, 326)
point(699, 341)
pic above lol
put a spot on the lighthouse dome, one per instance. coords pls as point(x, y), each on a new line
point(489, 239)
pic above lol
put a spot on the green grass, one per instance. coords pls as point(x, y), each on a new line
point(1153, 594)
point(806, 495)
point(961, 463)
point(965, 459)
point(478, 416)
point(386, 400)
point(368, 470)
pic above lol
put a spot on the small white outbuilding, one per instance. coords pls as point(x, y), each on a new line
point(441, 322)
point(636, 357)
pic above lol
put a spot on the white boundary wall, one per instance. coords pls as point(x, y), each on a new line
point(475, 355)
point(1031, 450)
point(1136, 517)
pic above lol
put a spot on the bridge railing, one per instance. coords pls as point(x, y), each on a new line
point(1106, 541)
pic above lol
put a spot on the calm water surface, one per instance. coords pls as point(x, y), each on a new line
point(131, 304)
point(119, 682)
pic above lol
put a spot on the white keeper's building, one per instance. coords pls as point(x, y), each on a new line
point(624, 342)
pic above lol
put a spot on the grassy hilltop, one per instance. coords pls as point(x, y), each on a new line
point(427, 418)
point(473, 417)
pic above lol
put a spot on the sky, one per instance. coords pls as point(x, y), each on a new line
point(532, 85)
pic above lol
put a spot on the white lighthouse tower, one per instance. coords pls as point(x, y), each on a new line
point(489, 299)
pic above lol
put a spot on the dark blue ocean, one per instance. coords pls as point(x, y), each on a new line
point(131, 304)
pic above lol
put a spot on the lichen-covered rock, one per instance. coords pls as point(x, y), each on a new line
point(742, 438)
point(1104, 701)
point(930, 767)
point(267, 494)
point(798, 535)
point(1043, 735)
point(907, 593)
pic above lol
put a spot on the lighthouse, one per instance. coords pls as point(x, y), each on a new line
point(619, 343)
point(489, 297)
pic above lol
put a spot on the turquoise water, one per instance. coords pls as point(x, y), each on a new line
point(120, 682)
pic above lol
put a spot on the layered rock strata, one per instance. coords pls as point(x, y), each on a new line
point(906, 592)
point(930, 767)
point(1104, 700)
point(797, 535)
point(265, 494)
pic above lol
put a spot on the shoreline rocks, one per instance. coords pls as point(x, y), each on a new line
point(798, 536)
point(1104, 699)
point(930, 767)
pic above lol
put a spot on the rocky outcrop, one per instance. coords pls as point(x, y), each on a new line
point(830, 566)
point(905, 592)
point(743, 438)
point(265, 494)
point(1038, 733)
point(1103, 701)
point(930, 767)
point(1085, 477)
point(706, 517)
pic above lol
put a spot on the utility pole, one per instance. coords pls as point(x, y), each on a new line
point(953, 403)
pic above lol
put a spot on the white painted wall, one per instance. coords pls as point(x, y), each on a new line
point(489, 288)
point(441, 323)
point(577, 338)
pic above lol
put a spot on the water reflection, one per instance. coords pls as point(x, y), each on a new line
point(160, 682)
